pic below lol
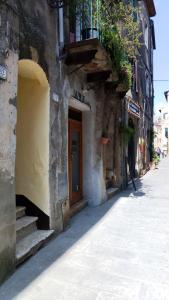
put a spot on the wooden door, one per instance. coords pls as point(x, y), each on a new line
point(75, 161)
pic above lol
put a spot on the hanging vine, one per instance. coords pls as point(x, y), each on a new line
point(118, 30)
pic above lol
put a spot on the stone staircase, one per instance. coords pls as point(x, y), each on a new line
point(28, 238)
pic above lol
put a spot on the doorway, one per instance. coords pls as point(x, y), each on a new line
point(132, 150)
point(75, 156)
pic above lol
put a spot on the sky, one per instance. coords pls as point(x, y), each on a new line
point(161, 54)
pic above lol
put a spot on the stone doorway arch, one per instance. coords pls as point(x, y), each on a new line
point(32, 136)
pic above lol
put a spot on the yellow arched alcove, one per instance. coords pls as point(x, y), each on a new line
point(32, 135)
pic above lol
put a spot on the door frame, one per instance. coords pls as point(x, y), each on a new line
point(75, 198)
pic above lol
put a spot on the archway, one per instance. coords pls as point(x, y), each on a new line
point(32, 135)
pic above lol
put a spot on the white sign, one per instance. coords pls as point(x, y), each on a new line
point(3, 73)
point(55, 97)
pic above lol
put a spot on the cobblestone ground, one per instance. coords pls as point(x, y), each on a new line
point(117, 251)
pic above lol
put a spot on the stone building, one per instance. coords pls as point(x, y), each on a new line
point(161, 127)
point(140, 99)
point(61, 145)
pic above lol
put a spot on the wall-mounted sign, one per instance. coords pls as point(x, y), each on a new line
point(55, 97)
point(133, 108)
point(3, 73)
point(77, 95)
point(78, 101)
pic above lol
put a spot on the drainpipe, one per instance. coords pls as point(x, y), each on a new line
point(61, 28)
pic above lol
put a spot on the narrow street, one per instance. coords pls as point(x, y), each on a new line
point(118, 251)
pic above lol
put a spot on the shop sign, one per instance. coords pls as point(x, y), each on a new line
point(78, 96)
point(78, 101)
point(3, 73)
point(134, 108)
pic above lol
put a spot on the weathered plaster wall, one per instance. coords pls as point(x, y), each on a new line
point(94, 184)
point(8, 58)
point(144, 95)
point(113, 150)
point(7, 168)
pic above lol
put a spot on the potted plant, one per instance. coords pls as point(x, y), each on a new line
point(104, 139)
point(156, 159)
point(127, 132)
point(142, 145)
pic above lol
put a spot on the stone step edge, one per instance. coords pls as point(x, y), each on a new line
point(20, 212)
point(39, 238)
point(112, 192)
point(23, 225)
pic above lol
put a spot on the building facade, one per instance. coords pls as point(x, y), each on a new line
point(62, 110)
point(140, 99)
point(161, 128)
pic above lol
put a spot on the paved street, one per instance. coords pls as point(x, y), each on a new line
point(117, 251)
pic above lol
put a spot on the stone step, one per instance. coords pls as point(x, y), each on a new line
point(77, 207)
point(20, 211)
point(31, 243)
point(111, 192)
point(25, 226)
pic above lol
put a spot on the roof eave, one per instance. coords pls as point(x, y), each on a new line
point(151, 8)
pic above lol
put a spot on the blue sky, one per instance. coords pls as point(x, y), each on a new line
point(161, 54)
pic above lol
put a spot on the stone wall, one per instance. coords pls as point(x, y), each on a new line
point(8, 88)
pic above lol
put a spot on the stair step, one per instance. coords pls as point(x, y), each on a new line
point(25, 226)
point(20, 211)
point(31, 243)
point(111, 192)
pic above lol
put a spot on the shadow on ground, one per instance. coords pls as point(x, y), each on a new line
point(78, 227)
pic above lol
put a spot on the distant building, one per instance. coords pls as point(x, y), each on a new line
point(142, 92)
point(161, 127)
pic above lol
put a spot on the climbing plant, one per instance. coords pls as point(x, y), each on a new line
point(120, 35)
point(118, 30)
point(127, 132)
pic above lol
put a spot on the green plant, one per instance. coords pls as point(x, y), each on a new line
point(155, 157)
point(152, 135)
point(120, 35)
point(118, 16)
point(104, 134)
point(118, 30)
point(141, 141)
point(127, 132)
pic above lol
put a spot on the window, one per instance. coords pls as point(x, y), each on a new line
point(146, 35)
point(166, 133)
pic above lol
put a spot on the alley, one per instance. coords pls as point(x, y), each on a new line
point(118, 251)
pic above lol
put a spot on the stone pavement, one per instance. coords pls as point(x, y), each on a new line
point(117, 251)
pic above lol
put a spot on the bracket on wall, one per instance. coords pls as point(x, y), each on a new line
point(57, 3)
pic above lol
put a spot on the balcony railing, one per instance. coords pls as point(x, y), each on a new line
point(84, 21)
point(85, 46)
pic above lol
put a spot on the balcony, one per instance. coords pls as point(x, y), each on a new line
point(95, 45)
point(85, 50)
point(91, 56)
